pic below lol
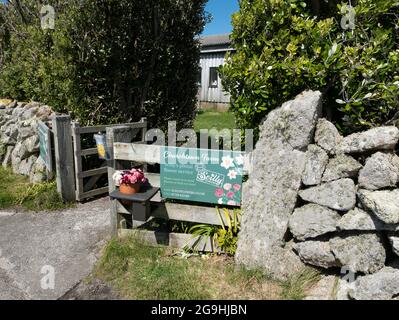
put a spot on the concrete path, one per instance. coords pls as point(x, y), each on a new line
point(36, 246)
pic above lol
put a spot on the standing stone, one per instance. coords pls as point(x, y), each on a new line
point(383, 285)
point(359, 220)
point(338, 195)
point(268, 201)
point(313, 220)
point(384, 204)
point(316, 161)
point(316, 253)
point(327, 136)
point(360, 253)
point(294, 123)
point(270, 195)
point(381, 171)
point(342, 166)
point(381, 138)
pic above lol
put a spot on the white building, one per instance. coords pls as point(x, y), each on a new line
point(213, 51)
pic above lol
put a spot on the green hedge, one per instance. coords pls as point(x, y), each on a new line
point(106, 60)
point(284, 47)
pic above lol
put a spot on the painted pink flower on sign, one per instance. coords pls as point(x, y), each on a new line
point(231, 203)
point(219, 193)
point(237, 187)
point(230, 195)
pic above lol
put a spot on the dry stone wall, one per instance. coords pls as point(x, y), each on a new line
point(19, 139)
point(340, 201)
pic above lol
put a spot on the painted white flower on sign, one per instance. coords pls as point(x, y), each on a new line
point(232, 174)
point(227, 162)
point(220, 201)
point(240, 160)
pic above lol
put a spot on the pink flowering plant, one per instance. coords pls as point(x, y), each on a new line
point(129, 177)
point(229, 195)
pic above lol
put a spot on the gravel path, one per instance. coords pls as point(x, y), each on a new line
point(36, 246)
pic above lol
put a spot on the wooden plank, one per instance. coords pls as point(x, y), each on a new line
point(174, 240)
point(95, 192)
point(137, 152)
point(96, 129)
point(89, 152)
point(64, 157)
point(152, 154)
point(78, 160)
point(93, 172)
point(92, 181)
point(144, 132)
point(189, 213)
point(182, 212)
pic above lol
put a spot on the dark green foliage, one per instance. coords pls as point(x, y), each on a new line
point(106, 60)
point(285, 47)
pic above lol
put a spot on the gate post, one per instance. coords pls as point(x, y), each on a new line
point(64, 157)
point(115, 134)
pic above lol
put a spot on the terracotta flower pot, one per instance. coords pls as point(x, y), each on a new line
point(130, 188)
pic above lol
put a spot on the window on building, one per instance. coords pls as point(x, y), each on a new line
point(213, 77)
point(199, 77)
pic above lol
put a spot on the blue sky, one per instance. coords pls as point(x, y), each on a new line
point(221, 11)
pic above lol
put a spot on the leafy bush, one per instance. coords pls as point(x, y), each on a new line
point(106, 60)
point(285, 47)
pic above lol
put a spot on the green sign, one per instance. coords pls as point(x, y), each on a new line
point(202, 175)
point(45, 145)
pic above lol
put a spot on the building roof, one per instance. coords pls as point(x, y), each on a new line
point(215, 40)
point(216, 43)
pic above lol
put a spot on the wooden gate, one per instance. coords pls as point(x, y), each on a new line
point(73, 182)
point(86, 189)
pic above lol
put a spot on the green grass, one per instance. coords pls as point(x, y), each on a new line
point(295, 288)
point(138, 271)
point(16, 191)
point(214, 119)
